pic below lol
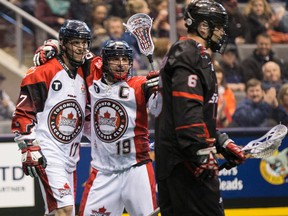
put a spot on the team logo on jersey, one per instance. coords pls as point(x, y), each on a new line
point(66, 190)
point(66, 120)
point(100, 212)
point(56, 85)
point(111, 120)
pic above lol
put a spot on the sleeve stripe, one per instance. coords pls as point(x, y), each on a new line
point(206, 132)
point(191, 125)
point(187, 95)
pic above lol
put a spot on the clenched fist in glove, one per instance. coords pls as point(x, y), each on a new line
point(33, 161)
point(206, 165)
point(46, 52)
point(152, 80)
point(232, 152)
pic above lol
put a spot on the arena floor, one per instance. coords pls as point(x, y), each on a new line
point(279, 211)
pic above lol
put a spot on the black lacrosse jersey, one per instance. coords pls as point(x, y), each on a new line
point(186, 104)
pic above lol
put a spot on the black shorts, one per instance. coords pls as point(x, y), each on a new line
point(182, 194)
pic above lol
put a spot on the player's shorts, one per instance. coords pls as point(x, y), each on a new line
point(183, 194)
point(108, 194)
point(58, 188)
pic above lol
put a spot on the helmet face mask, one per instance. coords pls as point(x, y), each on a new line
point(75, 39)
point(117, 59)
point(214, 14)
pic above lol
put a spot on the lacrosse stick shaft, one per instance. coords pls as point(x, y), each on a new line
point(155, 212)
point(151, 62)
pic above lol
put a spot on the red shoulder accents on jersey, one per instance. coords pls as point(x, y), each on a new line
point(97, 61)
point(95, 70)
point(43, 73)
point(187, 95)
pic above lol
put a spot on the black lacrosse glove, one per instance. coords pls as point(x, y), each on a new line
point(152, 81)
point(205, 166)
point(230, 151)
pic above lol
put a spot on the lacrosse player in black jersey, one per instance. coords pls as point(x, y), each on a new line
point(186, 138)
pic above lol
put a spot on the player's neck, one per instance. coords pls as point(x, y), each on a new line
point(198, 39)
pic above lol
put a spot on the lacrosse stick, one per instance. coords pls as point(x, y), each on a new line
point(264, 146)
point(140, 25)
point(155, 212)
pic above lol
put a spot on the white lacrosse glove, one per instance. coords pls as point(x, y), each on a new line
point(47, 51)
point(33, 161)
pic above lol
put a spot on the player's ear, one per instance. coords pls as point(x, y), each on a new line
point(62, 45)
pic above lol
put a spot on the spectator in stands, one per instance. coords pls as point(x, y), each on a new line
point(99, 33)
point(114, 27)
point(53, 13)
point(280, 18)
point(80, 9)
point(272, 76)
point(259, 109)
point(258, 13)
point(261, 54)
point(115, 31)
point(118, 8)
point(137, 6)
point(29, 7)
point(133, 7)
point(181, 29)
point(237, 23)
point(7, 107)
point(232, 70)
point(226, 99)
point(162, 45)
point(283, 97)
point(159, 14)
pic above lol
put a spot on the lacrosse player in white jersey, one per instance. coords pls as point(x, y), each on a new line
point(122, 174)
point(49, 119)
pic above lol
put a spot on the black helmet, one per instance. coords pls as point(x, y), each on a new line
point(74, 29)
point(117, 48)
point(114, 49)
point(210, 11)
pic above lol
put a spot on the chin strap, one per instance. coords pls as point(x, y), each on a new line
point(71, 74)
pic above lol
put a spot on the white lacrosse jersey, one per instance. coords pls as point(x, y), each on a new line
point(51, 108)
point(119, 130)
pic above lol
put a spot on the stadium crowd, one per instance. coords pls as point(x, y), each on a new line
point(258, 22)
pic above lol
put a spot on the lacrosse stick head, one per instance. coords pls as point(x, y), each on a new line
point(266, 145)
point(140, 25)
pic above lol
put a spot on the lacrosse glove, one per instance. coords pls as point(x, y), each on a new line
point(231, 152)
point(46, 52)
point(33, 161)
point(206, 165)
point(152, 80)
